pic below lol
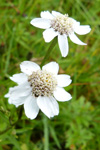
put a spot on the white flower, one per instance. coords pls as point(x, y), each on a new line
point(62, 26)
point(39, 89)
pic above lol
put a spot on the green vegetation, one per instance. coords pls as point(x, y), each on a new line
point(77, 127)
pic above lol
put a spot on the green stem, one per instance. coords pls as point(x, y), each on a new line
point(7, 129)
point(45, 121)
point(49, 51)
point(74, 89)
point(46, 133)
point(9, 53)
point(13, 124)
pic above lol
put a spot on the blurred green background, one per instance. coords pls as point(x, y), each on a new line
point(77, 127)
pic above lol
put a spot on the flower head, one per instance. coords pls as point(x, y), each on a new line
point(39, 89)
point(57, 24)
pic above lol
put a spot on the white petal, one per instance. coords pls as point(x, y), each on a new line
point(20, 91)
point(75, 39)
point(63, 44)
point(28, 67)
point(61, 95)
point(49, 34)
point(8, 94)
point(46, 15)
point(19, 78)
point(9, 101)
point(55, 13)
point(18, 94)
point(51, 67)
point(41, 23)
point(76, 23)
point(48, 106)
point(63, 80)
point(31, 108)
point(82, 29)
point(17, 102)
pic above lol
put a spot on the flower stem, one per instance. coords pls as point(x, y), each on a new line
point(45, 119)
point(49, 51)
point(9, 53)
point(46, 133)
point(75, 87)
point(13, 124)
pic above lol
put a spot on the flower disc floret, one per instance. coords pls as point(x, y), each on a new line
point(63, 24)
point(43, 83)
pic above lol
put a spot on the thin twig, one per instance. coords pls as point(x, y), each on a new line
point(49, 51)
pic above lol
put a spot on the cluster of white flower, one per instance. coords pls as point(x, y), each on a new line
point(40, 88)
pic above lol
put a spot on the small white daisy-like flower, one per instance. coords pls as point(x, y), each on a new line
point(39, 89)
point(57, 24)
